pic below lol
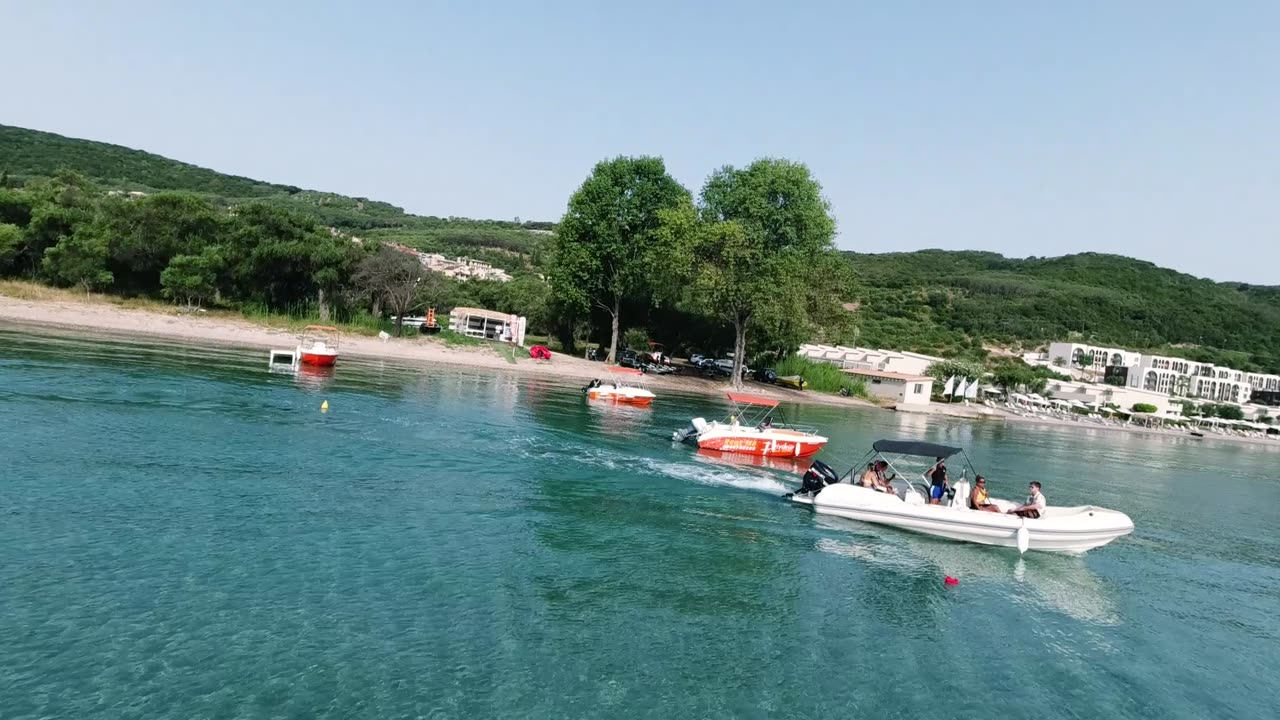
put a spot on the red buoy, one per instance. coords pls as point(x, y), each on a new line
point(951, 581)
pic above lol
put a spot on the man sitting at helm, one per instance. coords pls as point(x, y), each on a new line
point(884, 483)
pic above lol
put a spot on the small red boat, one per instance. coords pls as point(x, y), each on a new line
point(625, 388)
point(318, 346)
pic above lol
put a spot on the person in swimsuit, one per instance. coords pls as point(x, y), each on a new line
point(978, 499)
point(1035, 504)
point(868, 478)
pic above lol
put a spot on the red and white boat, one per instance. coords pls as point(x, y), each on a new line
point(318, 346)
point(625, 388)
point(751, 430)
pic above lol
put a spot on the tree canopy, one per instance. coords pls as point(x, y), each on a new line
point(608, 247)
point(758, 234)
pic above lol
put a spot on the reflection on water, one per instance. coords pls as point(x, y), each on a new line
point(791, 466)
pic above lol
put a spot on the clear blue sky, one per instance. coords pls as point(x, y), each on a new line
point(1030, 128)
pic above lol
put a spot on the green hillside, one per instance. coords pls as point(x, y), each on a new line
point(949, 303)
point(26, 154)
point(934, 300)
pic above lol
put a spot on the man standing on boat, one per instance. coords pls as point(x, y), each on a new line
point(938, 481)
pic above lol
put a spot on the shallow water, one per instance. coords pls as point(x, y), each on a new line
point(185, 534)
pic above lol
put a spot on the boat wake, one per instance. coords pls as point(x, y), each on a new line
point(714, 475)
point(717, 476)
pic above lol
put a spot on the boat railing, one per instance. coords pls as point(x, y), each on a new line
point(805, 429)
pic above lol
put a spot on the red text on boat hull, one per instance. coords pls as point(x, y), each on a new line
point(763, 447)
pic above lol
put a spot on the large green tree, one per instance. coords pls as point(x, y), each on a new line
point(760, 233)
point(608, 247)
point(392, 279)
point(78, 260)
point(193, 278)
point(146, 233)
point(10, 245)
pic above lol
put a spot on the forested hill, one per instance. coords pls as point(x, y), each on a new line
point(27, 153)
point(949, 303)
point(935, 300)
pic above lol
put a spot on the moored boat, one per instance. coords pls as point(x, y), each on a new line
point(625, 387)
point(751, 430)
point(318, 346)
point(1072, 530)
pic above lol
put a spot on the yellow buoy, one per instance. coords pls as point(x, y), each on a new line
point(324, 406)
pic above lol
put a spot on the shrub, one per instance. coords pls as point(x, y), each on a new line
point(820, 376)
point(1144, 408)
point(635, 339)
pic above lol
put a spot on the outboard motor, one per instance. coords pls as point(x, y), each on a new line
point(591, 385)
point(818, 476)
point(690, 434)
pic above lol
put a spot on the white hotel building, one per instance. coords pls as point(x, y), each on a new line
point(1177, 377)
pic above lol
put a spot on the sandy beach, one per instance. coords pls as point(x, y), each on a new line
point(109, 319)
point(98, 315)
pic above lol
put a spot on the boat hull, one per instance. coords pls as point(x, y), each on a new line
point(765, 444)
point(318, 359)
point(639, 400)
point(1063, 530)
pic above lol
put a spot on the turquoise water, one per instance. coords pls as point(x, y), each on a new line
point(183, 534)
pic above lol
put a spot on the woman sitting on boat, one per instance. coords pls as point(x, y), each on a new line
point(868, 478)
point(978, 499)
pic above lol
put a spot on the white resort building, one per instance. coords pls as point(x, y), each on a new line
point(893, 361)
point(1171, 376)
point(1103, 357)
point(459, 268)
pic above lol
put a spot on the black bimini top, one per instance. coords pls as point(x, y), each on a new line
point(912, 447)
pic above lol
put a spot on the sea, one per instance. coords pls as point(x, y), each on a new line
point(187, 534)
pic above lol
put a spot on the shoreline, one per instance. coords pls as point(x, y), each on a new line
point(104, 318)
point(107, 319)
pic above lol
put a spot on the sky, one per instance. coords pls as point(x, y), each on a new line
point(1143, 128)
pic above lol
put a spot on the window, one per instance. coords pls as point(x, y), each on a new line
point(918, 388)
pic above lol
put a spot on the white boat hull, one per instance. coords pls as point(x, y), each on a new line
point(1072, 530)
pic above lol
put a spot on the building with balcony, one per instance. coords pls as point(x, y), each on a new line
point(1103, 357)
point(1187, 378)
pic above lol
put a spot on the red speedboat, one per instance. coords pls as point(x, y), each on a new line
point(318, 346)
point(751, 430)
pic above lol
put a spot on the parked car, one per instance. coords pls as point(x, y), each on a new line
point(631, 359)
point(726, 364)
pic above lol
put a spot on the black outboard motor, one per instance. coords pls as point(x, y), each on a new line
point(818, 476)
point(592, 385)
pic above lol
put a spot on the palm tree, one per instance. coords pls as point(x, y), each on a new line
point(1085, 360)
point(1060, 361)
